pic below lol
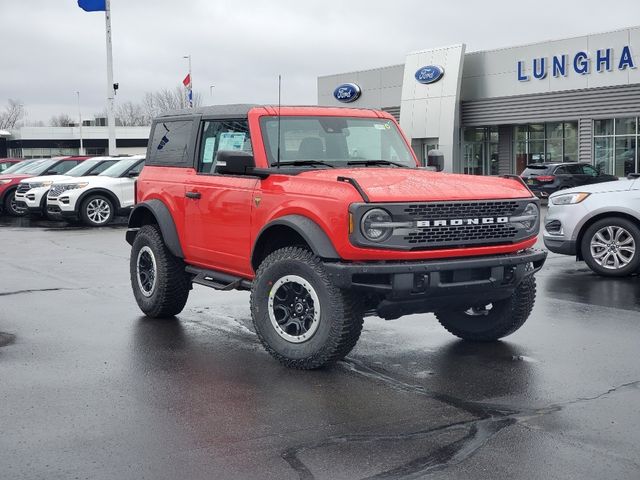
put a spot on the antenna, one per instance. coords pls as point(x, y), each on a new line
point(279, 105)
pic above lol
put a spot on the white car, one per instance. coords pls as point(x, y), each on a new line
point(599, 224)
point(32, 192)
point(96, 200)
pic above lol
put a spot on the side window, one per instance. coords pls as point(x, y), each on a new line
point(169, 145)
point(561, 171)
point(589, 170)
point(218, 135)
point(136, 169)
point(102, 167)
point(62, 167)
point(575, 169)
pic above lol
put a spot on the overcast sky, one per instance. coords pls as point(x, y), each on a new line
point(51, 48)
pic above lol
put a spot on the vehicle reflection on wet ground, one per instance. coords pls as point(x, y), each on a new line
point(91, 388)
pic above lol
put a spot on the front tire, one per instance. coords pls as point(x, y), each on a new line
point(11, 207)
point(158, 278)
point(504, 317)
point(97, 211)
point(610, 247)
point(301, 318)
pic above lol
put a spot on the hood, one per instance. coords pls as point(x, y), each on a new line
point(614, 186)
point(45, 178)
point(418, 185)
point(91, 179)
point(13, 176)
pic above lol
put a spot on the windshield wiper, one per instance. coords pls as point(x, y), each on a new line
point(376, 162)
point(305, 162)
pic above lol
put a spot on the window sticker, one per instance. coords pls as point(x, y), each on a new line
point(231, 141)
point(209, 145)
point(382, 126)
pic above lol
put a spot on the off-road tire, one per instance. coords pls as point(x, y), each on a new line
point(172, 284)
point(504, 318)
point(9, 208)
point(341, 313)
point(84, 214)
point(632, 228)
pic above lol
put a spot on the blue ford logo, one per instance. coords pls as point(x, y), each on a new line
point(347, 92)
point(429, 74)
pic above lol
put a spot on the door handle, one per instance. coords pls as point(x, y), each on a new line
point(193, 195)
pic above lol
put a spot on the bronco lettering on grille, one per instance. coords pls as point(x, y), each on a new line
point(461, 221)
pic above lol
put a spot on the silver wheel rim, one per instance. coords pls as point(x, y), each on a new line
point(146, 271)
point(14, 206)
point(294, 309)
point(98, 210)
point(613, 247)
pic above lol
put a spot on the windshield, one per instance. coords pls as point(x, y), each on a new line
point(337, 141)
point(90, 167)
point(121, 167)
point(18, 166)
point(39, 166)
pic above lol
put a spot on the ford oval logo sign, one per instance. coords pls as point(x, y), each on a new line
point(347, 92)
point(429, 74)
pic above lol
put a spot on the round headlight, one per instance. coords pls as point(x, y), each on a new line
point(373, 226)
point(532, 211)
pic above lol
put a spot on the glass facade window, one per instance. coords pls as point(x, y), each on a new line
point(615, 145)
point(480, 150)
point(545, 142)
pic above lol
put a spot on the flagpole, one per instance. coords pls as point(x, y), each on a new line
point(190, 82)
point(111, 124)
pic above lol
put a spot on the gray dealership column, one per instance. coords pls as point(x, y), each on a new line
point(505, 149)
point(585, 140)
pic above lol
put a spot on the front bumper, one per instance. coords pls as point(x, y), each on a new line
point(426, 286)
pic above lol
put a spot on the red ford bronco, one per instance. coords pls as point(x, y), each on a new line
point(326, 217)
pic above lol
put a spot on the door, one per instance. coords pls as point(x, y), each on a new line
point(218, 206)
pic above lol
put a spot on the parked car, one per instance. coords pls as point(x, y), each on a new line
point(325, 216)
point(32, 192)
point(96, 200)
point(599, 224)
point(8, 162)
point(546, 178)
point(10, 179)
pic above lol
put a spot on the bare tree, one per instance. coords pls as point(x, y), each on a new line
point(62, 120)
point(156, 103)
point(131, 115)
point(12, 114)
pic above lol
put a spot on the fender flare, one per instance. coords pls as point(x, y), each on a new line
point(163, 218)
point(309, 230)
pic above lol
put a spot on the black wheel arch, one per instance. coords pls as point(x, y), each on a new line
point(300, 229)
point(155, 211)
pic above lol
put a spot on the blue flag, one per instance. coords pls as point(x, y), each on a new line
point(93, 5)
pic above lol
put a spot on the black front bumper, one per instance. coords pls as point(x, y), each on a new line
point(426, 286)
point(564, 247)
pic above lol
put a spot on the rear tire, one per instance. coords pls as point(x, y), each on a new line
point(502, 319)
point(302, 319)
point(97, 211)
point(608, 240)
point(10, 206)
point(159, 281)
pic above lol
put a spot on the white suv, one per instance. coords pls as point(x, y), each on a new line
point(599, 224)
point(96, 200)
point(32, 192)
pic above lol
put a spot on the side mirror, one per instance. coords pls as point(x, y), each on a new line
point(234, 162)
point(133, 174)
point(435, 160)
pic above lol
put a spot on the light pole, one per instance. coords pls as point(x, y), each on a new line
point(190, 87)
point(81, 151)
point(211, 93)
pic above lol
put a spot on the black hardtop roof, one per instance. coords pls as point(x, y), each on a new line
point(238, 110)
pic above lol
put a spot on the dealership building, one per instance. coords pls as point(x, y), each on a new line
point(495, 111)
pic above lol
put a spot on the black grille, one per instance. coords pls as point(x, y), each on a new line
point(462, 234)
point(461, 209)
point(23, 188)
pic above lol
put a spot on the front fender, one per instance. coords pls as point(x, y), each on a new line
point(157, 211)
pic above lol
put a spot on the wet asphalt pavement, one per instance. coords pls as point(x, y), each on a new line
point(90, 388)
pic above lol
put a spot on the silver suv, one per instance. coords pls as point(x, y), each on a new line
point(599, 224)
